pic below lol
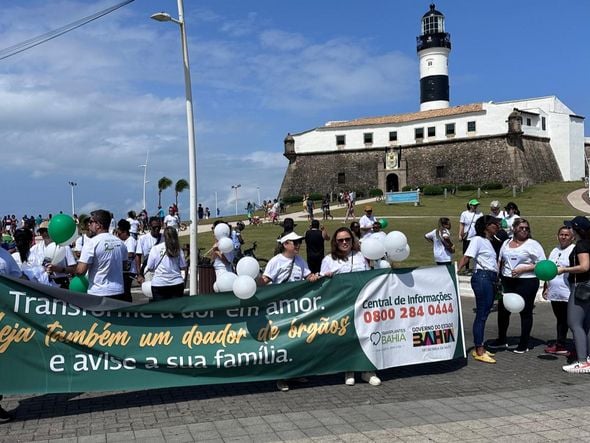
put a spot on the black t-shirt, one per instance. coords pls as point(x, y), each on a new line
point(314, 243)
point(582, 247)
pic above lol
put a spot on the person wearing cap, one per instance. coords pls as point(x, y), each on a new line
point(495, 210)
point(518, 258)
point(467, 225)
point(284, 267)
point(557, 290)
point(578, 311)
point(367, 222)
point(103, 257)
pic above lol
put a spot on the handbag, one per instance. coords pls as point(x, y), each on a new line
point(582, 291)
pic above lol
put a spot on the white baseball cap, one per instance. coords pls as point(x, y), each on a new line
point(290, 236)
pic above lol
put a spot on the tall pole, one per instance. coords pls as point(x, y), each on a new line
point(216, 207)
point(258, 189)
point(72, 184)
point(145, 180)
point(236, 189)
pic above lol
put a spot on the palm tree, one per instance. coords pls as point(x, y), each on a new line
point(180, 186)
point(163, 183)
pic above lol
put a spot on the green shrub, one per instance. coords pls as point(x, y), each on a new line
point(315, 196)
point(466, 188)
point(407, 188)
point(290, 199)
point(433, 190)
point(490, 186)
point(375, 192)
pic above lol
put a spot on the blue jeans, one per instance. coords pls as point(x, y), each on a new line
point(482, 283)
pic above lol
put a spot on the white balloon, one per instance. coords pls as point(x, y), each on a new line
point(71, 240)
point(244, 287)
point(395, 241)
point(146, 288)
point(222, 230)
point(215, 287)
point(382, 264)
point(372, 249)
point(513, 302)
point(400, 254)
point(225, 245)
point(225, 281)
point(248, 266)
point(54, 253)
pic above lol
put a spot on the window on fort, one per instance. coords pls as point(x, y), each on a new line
point(418, 133)
point(393, 136)
point(368, 137)
point(450, 129)
point(340, 140)
point(431, 131)
point(440, 171)
point(341, 178)
point(528, 121)
point(543, 123)
point(470, 126)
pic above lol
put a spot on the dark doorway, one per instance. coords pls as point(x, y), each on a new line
point(392, 183)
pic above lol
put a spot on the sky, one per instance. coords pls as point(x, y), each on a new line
point(88, 106)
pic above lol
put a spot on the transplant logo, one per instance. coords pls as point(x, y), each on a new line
point(388, 337)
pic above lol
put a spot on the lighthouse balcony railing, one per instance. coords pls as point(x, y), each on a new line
point(438, 40)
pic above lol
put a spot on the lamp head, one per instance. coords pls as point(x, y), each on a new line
point(161, 17)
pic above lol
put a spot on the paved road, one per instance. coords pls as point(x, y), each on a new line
point(521, 398)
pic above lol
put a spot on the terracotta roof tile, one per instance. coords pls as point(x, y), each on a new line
point(403, 118)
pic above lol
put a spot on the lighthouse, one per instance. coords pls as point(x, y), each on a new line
point(433, 46)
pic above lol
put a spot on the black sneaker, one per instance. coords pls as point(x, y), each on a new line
point(496, 344)
point(520, 350)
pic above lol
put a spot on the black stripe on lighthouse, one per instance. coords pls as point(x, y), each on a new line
point(434, 88)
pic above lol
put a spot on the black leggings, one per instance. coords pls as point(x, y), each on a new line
point(527, 289)
point(560, 311)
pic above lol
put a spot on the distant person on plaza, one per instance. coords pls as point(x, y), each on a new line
point(161, 214)
point(578, 311)
point(355, 228)
point(310, 206)
point(287, 266)
point(557, 290)
point(222, 261)
point(200, 212)
point(483, 280)
point(518, 258)
point(133, 225)
point(442, 245)
point(172, 220)
point(349, 203)
point(345, 256)
point(130, 267)
point(326, 208)
point(314, 245)
point(145, 244)
point(58, 273)
point(103, 257)
point(511, 214)
point(367, 221)
point(166, 261)
point(467, 225)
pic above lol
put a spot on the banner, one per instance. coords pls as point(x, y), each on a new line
point(52, 340)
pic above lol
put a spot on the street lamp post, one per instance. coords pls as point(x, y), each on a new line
point(72, 185)
point(145, 180)
point(192, 150)
point(236, 188)
point(258, 189)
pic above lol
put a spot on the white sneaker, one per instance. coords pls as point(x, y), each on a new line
point(371, 378)
point(282, 385)
point(577, 368)
point(349, 378)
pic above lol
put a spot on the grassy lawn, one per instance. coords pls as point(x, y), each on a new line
point(545, 206)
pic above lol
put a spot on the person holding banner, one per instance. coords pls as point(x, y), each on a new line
point(166, 261)
point(345, 256)
point(483, 280)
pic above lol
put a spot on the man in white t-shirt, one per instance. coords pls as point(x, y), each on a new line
point(133, 225)
point(144, 245)
point(171, 220)
point(103, 257)
point(367, 221)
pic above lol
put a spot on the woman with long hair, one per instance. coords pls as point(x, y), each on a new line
point(518, 257)
point(442, 245)
point(578, 310)
point(483, 280)
point(345, 256)
point(166, 261)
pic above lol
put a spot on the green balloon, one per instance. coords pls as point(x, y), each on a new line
point(61, 228)
point(546, 270)
point(383, 222)
point(79, 284)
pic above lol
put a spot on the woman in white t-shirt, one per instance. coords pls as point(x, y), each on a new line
point(345, 256)
point(518, 257)
point(166, 261)
point(483, 280)
point(442, 246)
point(557, 291)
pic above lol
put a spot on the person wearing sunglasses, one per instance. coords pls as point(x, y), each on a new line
point(518, 257)
point(345, 256)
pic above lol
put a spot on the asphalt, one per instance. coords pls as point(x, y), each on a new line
point(524, 397)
